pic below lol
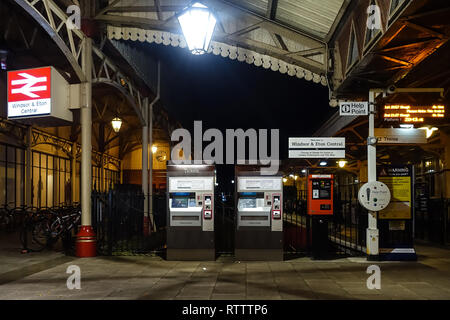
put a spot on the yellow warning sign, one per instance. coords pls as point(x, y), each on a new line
point(400, 205)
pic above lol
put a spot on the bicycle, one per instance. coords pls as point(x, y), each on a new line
point(45, 226)
point(6, 218)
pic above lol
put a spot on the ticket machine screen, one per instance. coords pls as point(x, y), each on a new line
point(183, 201)
point(184, 210)
point(252, 210)
point(247, 203)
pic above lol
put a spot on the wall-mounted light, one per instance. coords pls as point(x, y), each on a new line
point(284, 180)
point(197, 23)
point(232, 181)
point(323, 163)
point(342, 163)
point(429, 130)
point(154, 149)
point(116, 123)
point(303, 170)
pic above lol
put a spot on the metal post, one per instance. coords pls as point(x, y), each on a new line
point(28, 169)
point(372, 230)
point(73, 173)
point(150, 122)
point(86, 243)
point(145, 167)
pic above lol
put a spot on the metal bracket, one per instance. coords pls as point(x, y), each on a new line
point(371, 141)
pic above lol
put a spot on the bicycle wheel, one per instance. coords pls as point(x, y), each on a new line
point(35, 236)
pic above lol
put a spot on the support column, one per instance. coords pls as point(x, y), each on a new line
point(150, 182)
point(372, 236)
point(145, 167)
point(73, 173)
point(28, 169)
point(86, 241)
point(150, 122)
point(445, 140)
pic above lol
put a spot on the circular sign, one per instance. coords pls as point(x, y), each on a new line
point(374, 196)
point(161, 156)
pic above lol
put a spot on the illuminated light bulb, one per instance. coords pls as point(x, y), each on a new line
point(429, 131)
point(342, 163)
point(197, 23)
point(116, 124)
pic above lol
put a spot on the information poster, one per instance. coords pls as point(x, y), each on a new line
point(398, 179)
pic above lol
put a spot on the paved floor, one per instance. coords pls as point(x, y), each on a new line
point(43, 276)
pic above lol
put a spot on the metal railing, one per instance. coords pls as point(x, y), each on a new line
point(118, 219)
point(432, 223)
point(224, 224)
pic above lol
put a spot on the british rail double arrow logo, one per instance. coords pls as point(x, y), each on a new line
point(28, 83)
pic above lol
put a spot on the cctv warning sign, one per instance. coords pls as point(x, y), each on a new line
point(353, 108)
point(29, 92)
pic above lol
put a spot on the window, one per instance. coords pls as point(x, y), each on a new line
point(103, 180)
point(396, 7)
point(51, 180)
point(353, 52)
point(12, 175)
point(371, 34)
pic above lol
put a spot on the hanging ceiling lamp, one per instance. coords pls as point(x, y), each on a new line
point(197, 23)
point(116, 123)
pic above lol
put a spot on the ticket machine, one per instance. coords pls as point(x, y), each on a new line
point(320, 194)
point(190, 216)
point(259, 216)
point(320, 206)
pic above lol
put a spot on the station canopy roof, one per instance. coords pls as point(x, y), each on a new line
point(311, 16)
point(288, 36)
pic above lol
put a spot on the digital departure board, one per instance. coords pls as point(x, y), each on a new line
point(413, 114)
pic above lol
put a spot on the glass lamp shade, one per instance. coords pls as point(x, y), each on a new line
point(197, 24)
point(116, 123)
point(342, 163)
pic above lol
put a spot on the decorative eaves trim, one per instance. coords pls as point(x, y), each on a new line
point(216, 48)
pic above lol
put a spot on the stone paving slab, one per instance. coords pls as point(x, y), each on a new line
point(151, 277)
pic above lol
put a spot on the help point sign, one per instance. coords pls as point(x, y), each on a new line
point(38, 92)
point(353, 108)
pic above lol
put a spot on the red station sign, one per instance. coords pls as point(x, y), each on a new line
point(29, 92)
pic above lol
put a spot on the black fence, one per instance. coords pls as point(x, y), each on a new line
point(347, 226)
point(432, 221)
point(296, 222)
point(224, 224)
point(118, 219)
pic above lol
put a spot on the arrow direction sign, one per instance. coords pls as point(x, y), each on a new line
point(29, 81)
